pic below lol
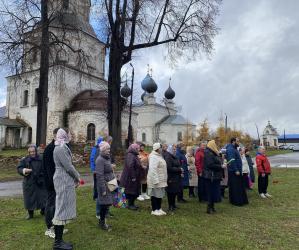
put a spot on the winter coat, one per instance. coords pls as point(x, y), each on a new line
point(199, 156)
point(250, 163)
point(181, 156)
point(245, 165)
point(193, 178)
point(262, 164)
point(34, 190)
point(49, 166)
point(157, 171)
point(143, 156)
point(174, 172)
point(233, 159)
point(65, 179)
point(212, 166)
point(104, 174)
point(132, 173)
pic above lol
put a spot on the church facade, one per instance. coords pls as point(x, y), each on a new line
point(270, 136)
point(77, 94)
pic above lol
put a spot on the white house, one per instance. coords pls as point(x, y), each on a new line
point(270, 136)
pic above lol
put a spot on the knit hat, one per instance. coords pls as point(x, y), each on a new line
point(156, 146)
point(104, 146)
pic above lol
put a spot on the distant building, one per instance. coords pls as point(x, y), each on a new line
point(160, 122)
point(270, 136)
point(288, 139)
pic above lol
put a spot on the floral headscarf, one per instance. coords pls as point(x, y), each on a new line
point(61, 137)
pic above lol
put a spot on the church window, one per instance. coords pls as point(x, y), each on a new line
point(25, 98)
point(143, 137)
point(91, 132)
point(180, 136)
point(36, 96)
point(29, 135)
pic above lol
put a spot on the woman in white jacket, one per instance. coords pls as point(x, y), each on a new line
point(245, 168)
point(157, 179)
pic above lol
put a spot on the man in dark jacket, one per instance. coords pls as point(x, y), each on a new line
point(49, 170)
point(237, 192)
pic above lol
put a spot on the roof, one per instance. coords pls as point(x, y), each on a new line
point(13, 123)
point(175, 120)
point(2, 111)
point(288, 136)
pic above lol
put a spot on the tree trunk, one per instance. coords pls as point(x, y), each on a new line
point(114, 98)
point(42, 107)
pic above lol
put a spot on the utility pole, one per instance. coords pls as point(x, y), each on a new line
point(130, 130)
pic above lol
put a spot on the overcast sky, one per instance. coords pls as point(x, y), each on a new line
point(252, 74)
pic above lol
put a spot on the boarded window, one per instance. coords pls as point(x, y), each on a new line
point(143, 137)
point(25, 98)
point(91, 132)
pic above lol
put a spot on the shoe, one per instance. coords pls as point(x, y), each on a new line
point(98, 217)
point(50, 232)
point(61, 245)
point(156, 213)
point(42, 212)
point(140, 198)
point(29, 217)
point(209, 210)
point(162, 212)
point(145, 196)
point(268, 195)
point(263, 196)
point(134, 208)
point(171, 209)
point(176, 207)
point(104, 226)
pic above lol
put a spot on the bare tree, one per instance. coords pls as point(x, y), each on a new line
point(185, 26)
point(36, 27)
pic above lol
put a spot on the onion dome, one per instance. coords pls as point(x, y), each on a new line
point(169, 93)
point(143, 95)
point(148, 84)
point(125, 91)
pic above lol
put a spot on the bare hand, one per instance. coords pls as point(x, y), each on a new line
point(28, 171)
point(263, 174)
point(237, 173)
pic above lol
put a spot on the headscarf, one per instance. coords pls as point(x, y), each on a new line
point(169, 149)
point(212, 145)
point(61, 137)
point(99, 140)
point(134, 147)
point(104, 146)
point(36, 153)
point(156, 146)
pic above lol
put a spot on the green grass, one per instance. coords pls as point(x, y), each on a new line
point(263, 224)
point(14, 152)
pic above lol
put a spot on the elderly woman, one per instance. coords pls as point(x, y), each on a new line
point(104, 174)
point(34, 190)
point(212, 174)
point(131, 175)
point(193, 178)
point(66, 179)
point(157, 179)
point(181, 155)
point(143, 156)
point(174, 172)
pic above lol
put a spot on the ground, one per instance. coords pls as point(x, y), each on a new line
point(263, 224)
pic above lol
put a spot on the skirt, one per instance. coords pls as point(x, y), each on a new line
point(156, 192)
point(202, 190)
point(237, 191)
point(213, 190)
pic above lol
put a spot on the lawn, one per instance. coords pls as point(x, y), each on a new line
point(263, 224)
point(271, 152)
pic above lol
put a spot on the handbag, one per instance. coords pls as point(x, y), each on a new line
point(112, 185)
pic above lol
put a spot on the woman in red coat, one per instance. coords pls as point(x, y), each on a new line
point(264, 170)
point(199, 158)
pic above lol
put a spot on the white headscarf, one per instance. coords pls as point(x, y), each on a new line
point(61, 137)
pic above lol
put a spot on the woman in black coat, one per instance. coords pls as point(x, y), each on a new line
point(212, 174)
point(174, 178)
point(34, 189)
point(132, 175)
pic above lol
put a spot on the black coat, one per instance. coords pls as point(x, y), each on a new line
point(34, 190)
point(250, 163)
point(132, 174)
point(212, 168)
point(174, 171)
point(49, 166)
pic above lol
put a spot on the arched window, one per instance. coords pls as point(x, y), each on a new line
point(91, 132)
point(180, 136)
point(25, 98)
point(143, 137)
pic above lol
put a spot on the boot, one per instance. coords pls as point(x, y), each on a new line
point(59, 244)
point(213, 208)
point(42, 211)
point(209, 209)
point(30, 215)
point(104, 226)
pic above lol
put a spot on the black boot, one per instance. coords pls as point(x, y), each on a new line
point(59, 244)
point(42, 211)
point(104, 226)
point(213, 208)
point(209, 209)
point(30, 215)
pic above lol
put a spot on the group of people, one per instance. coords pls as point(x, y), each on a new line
point(50, 181)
